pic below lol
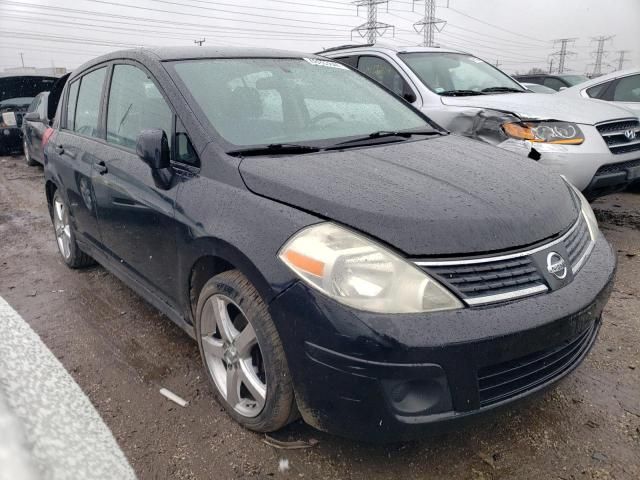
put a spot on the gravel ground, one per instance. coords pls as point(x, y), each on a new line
point(121, 351)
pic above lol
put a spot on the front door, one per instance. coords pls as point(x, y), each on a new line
point(136, 217)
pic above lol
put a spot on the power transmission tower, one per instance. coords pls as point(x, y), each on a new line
point(372, 28)
point(621, 59)
point(429, 23)
point(599, 54)
point(200, 42)
point(563, 53)
point(551, 65)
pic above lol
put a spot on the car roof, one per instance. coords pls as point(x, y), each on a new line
point(388, 48)
point(163, 54)
point(609, 76)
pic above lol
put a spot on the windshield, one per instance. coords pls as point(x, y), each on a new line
point(445, 72)
point(574, 79)
point(262, 101)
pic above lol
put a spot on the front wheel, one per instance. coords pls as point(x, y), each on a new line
point(243, 354)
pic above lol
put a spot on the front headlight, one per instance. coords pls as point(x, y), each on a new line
point(545, 132)
point(359, 273)
point(586, 211)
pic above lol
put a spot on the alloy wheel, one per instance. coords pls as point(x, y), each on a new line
point(232, 355)
point(62, 227)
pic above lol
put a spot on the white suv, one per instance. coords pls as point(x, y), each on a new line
point(594, 144)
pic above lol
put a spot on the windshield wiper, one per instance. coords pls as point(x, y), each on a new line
point(387, 133)
point(502, 89)
point(460, 93)
point(284, 148)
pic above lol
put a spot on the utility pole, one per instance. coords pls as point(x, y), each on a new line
point(497, 63)
point(621, 59)
point(372, 28)
point(599, 54)
point(22, 59)
point(551, 65)
point(563, 52)
point(200, 42)
point(429, 23)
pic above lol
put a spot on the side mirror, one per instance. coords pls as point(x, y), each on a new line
point(152, 147)
point(33, 117)
point(409, 97)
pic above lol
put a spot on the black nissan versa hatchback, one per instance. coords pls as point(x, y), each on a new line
point(335, 254)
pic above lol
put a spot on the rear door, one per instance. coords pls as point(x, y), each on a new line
point(136, 217)
point(75, 147)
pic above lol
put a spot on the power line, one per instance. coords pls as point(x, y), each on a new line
point(429, 23)
point(372, 28)
point(563, 53)
point(518, 34)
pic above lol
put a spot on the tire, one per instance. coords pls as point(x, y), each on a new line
point(27, 156)
point(71, 254)
point(232, 293)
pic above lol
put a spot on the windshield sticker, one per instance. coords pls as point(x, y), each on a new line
point(325, 63)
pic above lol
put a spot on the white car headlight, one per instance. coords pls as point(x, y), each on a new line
point(357, 272)
point(9, 119)
point(586, 211)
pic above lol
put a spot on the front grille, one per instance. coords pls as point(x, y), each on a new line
point(577, 243)
point(19, 116)
point(614, 136)
point(508, 379)
point(491, 278)
point(617, 167)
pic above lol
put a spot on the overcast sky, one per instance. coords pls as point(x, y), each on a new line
point(517, 34)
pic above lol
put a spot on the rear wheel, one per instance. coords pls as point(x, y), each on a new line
point(27, 155)
point(243, 354)
point(65, 238)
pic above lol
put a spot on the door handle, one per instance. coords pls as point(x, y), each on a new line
point(101, 167)
point(59, 149)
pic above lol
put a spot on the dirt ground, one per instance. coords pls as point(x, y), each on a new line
point(121, 351)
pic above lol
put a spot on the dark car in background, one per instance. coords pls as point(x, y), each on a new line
point(34, 124)
point(556, 82)
point(335, 253)
point(16, 94)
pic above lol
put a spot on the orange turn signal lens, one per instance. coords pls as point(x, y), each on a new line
point(304, 263)
point(517, 130)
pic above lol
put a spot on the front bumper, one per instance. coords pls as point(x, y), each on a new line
point(591, 167)
point(384, 378)
point(10, 139)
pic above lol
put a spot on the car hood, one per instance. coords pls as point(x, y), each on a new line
point(543, 106)
point(445, 196)
point(24, 86)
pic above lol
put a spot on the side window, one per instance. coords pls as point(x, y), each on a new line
point(71, 104)
point(598, 90)
point(352, 60)
point(135, 104)
point(42, 107)
point(88, 103)
point(554, 83)
point(185, 152)
point(34, 105)
point(382, 71)
point(627, 89)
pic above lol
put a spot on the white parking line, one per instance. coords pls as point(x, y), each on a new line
point(49, 427)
